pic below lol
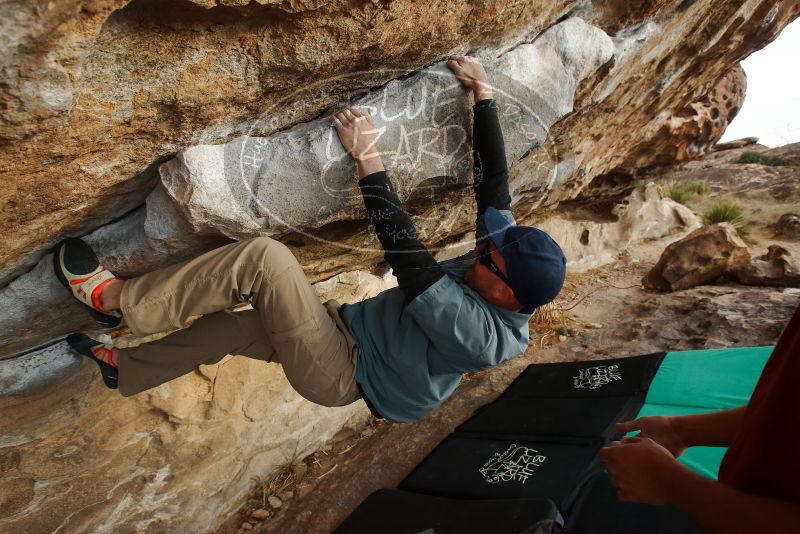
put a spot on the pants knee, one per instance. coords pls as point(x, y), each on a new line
point(260, 245)
point(270, 252)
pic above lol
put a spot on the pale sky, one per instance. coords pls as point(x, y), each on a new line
point(771, 109)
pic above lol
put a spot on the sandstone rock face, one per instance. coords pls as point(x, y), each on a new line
point(699, 258)
point(94, 462)
point(97, 94)
point(302, 178)
point(775, 268)
point(659, 125)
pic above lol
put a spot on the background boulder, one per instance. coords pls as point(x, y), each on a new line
point(699, 258)
point(775, 268)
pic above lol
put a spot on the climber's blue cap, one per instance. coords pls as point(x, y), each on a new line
point(535, 264)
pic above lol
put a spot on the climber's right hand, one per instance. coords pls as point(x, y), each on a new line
point(472, 75)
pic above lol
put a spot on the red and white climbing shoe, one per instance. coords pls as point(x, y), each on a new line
point(79, 270)
point(102, 356)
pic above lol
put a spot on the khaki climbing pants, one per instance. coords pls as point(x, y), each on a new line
point(288, 324)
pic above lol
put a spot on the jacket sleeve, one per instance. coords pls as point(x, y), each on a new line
point(416, 270)
point(489, 169)
point(466, 335)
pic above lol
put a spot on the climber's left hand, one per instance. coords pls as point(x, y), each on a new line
point(356, 131)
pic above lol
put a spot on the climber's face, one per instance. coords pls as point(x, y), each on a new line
point(487, 282)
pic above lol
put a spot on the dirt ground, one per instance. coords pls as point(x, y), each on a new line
point(603, 313)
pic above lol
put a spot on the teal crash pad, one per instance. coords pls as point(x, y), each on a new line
point(698, 381)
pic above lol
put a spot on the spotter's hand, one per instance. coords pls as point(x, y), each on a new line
point(641, 470)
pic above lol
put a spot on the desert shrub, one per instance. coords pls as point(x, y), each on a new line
point(678, 193)
point(683, 191)
point(697, 188)
point(724, 211)
point(729, 212)
point(762, 159)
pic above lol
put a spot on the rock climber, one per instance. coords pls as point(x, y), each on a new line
point(757, 489)
point(403, 351)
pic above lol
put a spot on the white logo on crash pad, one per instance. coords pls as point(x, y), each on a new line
point(516, 464)
point(596, 377)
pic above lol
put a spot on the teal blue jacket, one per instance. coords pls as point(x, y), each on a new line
point(411, 356)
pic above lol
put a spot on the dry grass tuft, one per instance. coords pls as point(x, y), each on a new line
point(684, 191)
point(546, 323)
point(548, 316)
point(285, 477)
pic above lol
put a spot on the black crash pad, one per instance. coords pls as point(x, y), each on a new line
point(402, 512)
point(549, 419)
point(499, 469)
point(597, 378)
point(516, 462)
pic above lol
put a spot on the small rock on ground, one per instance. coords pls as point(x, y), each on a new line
point(260, 514)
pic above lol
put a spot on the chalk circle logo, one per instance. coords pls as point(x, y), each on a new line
point(515, 464)
point(596, 377)
point(301, 179)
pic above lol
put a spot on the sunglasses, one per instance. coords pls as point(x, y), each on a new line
point(484, 256)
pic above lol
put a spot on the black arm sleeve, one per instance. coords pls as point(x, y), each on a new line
point(489, 170)
point(413, 265)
